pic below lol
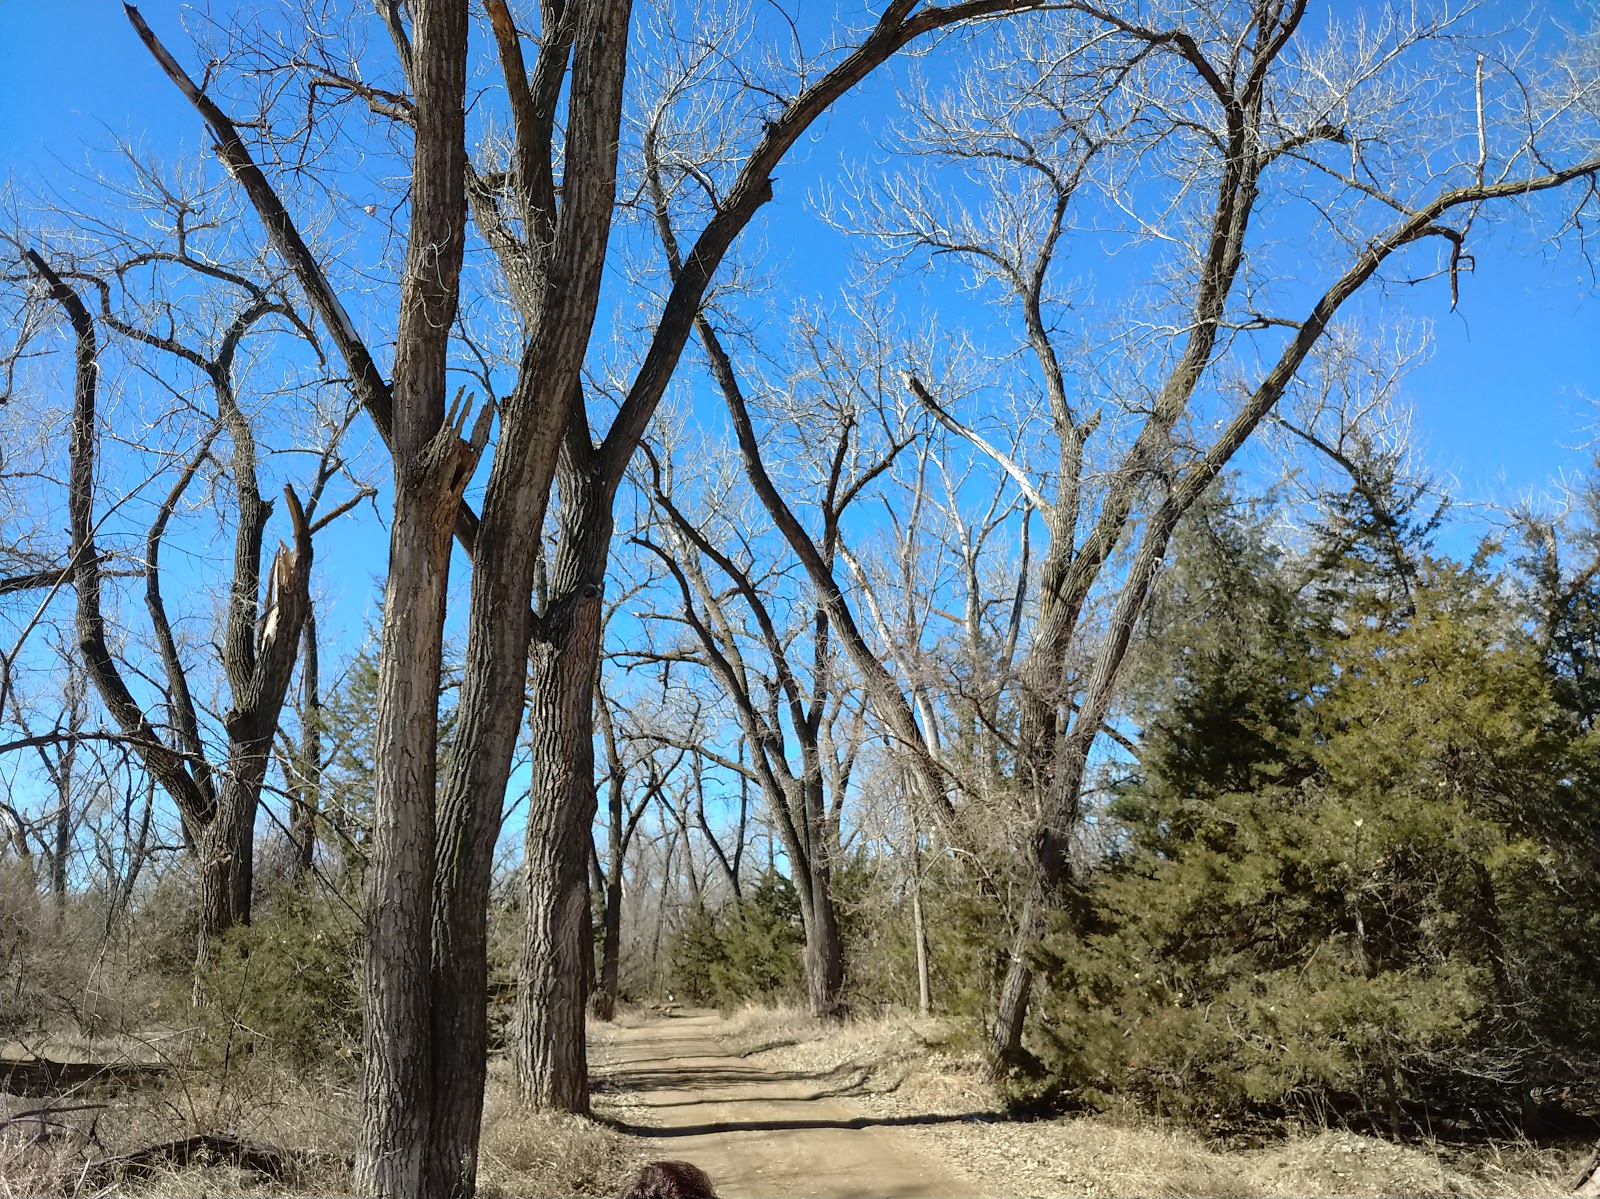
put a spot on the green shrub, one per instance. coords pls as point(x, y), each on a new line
point(287, 988)
point(1386, 901)
point(744, 953)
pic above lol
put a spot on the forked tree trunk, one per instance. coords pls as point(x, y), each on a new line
point(1059, 775)
point(397, 1076)
point(489, 719)
point(258, 661)
point(824, 953)
point(226, 851)
point(432, 464)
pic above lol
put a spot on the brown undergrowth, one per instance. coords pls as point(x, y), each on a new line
point(897, 1066)
point(904, 1066)
point(67, 1144)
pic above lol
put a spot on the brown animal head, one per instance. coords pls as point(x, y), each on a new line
point(669, 1180)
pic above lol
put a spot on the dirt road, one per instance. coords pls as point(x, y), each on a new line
point(760, 1134)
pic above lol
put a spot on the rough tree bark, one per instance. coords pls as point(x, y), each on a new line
point(432, 464)
point(556, 965)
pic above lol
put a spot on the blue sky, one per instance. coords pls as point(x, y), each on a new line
point(1503, 404)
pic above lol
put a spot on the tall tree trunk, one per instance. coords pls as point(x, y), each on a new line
point(556, 965)
point(661, 913)
point(1049, 864)
point(472, 800)
point(605, 1006)
point(551, 1058)
point(61, 847)
point(1005, 1036)
point(555, 278)
point(824, 953)
point(236, 811)
point(1059, 776)
point(919, 930)
point(609, 883)
point(432, 464)
point(58, 860)
point(397, 1080)
point(226, 847)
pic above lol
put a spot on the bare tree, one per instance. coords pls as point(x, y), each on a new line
point(216, 793)
point(429, 874)
point(781, 669)
point(60, 753)
point(1175, 127)
point(624, 760)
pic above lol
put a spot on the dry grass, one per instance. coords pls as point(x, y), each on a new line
point(57, 1151)
point(905, 1066)
point(71, 1046)
point(29, 1169)
point(540, 1156)
point(316, 1122)
point(1098, 1158)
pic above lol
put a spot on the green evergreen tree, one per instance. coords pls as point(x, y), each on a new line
point(1356, 865)
point(743, 953)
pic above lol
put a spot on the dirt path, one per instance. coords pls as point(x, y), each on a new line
point(761, 1134)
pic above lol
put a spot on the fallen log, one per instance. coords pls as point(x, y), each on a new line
point(42, 1076)
point(220, 1148)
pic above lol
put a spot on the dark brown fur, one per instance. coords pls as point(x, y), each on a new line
point(669, 1180)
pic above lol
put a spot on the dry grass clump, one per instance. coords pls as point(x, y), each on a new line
point(902, 1062)
point(535, 1155)
point(63, 1146)
point(66, 1144)
point(30, 1168)
point(1098, 1158)
point(908, 1065)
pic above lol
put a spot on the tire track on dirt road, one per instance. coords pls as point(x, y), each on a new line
point(761, 1134)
